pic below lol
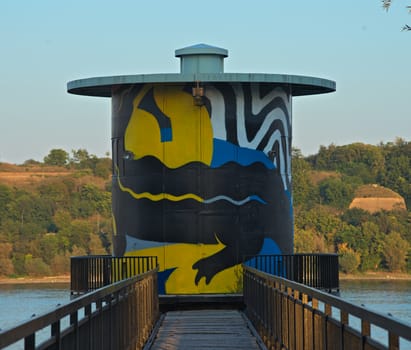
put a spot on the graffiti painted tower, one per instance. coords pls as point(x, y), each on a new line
point(201, 166)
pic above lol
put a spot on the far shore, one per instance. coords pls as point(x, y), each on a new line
point(376, 275)
point(35, 280)
point(370, 275)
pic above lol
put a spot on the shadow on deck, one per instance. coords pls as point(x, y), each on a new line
point(205, 329)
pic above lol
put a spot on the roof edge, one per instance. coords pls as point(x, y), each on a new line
point(102, 86)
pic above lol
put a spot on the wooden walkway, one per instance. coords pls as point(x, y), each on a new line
point(205, 329)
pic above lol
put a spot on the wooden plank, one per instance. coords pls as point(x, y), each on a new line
point(204, 329)
point(334, 334)
point(352, 339)
point(299, 326)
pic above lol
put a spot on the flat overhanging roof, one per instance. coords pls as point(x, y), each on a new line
point(103, 86)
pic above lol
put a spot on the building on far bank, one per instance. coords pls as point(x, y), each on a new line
point(374, 198)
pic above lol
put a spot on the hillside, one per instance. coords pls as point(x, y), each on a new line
point(27, 176)
point(62, 207)
point(22, 176)
point(49, 213)
point(346, 201)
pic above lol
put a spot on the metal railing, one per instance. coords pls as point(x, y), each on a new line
point(289, 315)
point(119, 316)
point(315, 270)
point(96, 271)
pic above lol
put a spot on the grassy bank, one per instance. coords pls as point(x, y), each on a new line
point(371, 275)
point(45, 279)
point(376, 275)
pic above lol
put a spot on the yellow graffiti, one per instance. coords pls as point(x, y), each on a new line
point(156, 197)
point(192, 134)
point(182, 256)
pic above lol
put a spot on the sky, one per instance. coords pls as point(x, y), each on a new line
point(46, 43)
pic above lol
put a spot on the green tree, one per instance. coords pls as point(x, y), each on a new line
point(80, 157)
point(349, 260)
point(61, 264)
point(58, 157)
point(75, 208)
point(395, 250)
point(18, 263)
point(90, 200)
point(103, 168)
point(95, 246)
point(35, 266)
point(29, 162)
point(56, 191)
point(354, 160)
point(31, 213)
point(6, 196)
point(397, 172)
point(321, 220)
point(6, 264)
point(62, 218)
point(49, 247)
point(308, 241)
point(336, 192)
point(355, 216)
point(304, 192)
point(370, 246)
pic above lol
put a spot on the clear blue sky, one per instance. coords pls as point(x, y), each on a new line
point(46, 43)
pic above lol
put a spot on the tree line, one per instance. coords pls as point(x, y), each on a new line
point(46, 222)
point(324, 185)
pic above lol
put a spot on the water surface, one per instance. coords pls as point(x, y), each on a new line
point(388, 297)
point(21, 302)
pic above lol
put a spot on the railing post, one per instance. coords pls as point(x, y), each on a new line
point(55, 332)
point(393, 341)
point(74, 324)
point(107, 272)
point(123, 269)
point(30, 342)
point(365, 328)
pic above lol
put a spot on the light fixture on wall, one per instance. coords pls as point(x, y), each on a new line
point(198, 93)
point(128, 155)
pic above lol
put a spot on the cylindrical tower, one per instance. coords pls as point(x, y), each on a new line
point(201, 166)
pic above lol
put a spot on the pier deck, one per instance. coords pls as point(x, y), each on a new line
point(205, 329)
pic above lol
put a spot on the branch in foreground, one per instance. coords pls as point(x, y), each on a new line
point(386, 4)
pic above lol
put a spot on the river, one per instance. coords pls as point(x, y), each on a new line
point(19, 302)
point(389, 297)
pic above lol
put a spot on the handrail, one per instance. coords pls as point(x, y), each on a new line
point(95, 271)
point(316, 270)
point(117, 316)
point(287, 313)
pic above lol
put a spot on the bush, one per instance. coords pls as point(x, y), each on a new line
point(6, 265)
point(36, 266)
point(349, 260)
point(395, 251)
point(61, 264)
